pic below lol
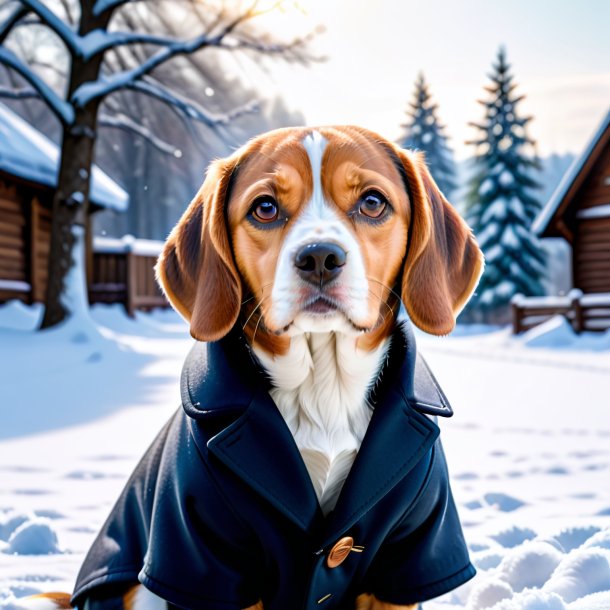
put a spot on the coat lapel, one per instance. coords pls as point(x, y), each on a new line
point(221, 379)
point(222, 383)
point(398, 436)
point(259, 448)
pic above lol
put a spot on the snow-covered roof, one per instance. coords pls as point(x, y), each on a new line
point(127, 243)
point(28, 154)
point(546, 214)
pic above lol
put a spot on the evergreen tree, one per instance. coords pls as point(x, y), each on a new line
point(500, 205)
point(424, 132)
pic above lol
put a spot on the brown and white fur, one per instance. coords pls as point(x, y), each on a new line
point(308, 239)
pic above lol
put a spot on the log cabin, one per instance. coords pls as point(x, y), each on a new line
point(579, 212)
point(28, 177)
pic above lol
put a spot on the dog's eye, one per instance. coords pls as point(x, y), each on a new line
point(265, 210)
point(373, 204)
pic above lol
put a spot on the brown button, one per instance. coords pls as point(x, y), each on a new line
point(339, 552)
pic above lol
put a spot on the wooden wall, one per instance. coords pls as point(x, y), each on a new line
point(13, 241)
point(591, 247)
point(25, 237)
point(591, 252)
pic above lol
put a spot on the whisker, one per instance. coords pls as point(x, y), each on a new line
point(253, 312)
point(256, 328)
point(372, 279)
point(254, 296)
point(389, 312)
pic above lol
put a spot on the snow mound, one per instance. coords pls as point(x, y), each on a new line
point(558, 333)
point(33, 537)
point(530, 565)
point(487, 560)
point(10, 522)
point(582, 572)
point(532, 600)
point(600, 540)
point(595, 601)
point(488, 594)
point(573, 537)
point(514, 536)
point(14, 314)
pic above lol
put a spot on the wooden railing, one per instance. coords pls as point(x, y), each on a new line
point(585, 312)
point(122, 270)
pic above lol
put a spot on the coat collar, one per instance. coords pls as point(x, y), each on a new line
point(222, 381)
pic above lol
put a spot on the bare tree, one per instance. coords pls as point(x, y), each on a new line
point(87, 39)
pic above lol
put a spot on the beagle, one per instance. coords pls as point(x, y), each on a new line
point(308, 241)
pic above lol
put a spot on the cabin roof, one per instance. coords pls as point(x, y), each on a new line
point(571, 181)
point(28, 154)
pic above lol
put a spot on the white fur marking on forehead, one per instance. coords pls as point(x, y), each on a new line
point(315, 145)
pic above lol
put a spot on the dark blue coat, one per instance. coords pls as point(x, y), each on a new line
point(221, 511)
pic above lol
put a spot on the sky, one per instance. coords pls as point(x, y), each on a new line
point(559, 51)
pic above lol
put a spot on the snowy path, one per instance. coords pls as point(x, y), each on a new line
point(528, 451)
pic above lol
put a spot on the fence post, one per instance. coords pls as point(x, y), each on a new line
point(578, 323)
point(131, 283)
point(517, 313)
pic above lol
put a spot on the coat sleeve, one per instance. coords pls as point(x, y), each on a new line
point(199, 555)
point(426, 555)
point(173, 531)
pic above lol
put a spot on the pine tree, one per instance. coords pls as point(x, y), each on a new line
point(425, 133)
point(500, 205)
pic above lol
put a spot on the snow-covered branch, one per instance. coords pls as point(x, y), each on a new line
point(100, 40)
point(68, 36)
point(101, 6)
point(123, 122)
point(62, 109)
point(9, 23)
point(190, 109)
point(125, 79)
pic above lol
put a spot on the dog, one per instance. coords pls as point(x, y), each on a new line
point(304, 470)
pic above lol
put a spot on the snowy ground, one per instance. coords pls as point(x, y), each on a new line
point(528, 450)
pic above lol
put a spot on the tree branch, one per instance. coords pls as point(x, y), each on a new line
point(101, 6)
point(101, 88)
point(54, 23)
point(10, 22)
point(98, 41)
point(122, 121)
point(62, 109)
point(191, 110)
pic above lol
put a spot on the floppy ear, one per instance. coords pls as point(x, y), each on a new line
point(443, 262)
point(196, 269)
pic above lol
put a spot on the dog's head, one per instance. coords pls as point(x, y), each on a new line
point(309, 230)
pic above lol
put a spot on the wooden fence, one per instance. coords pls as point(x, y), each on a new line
point(585, 312)
point(122, 270)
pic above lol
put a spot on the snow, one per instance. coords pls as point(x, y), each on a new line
point(127, 243)
point(27, 153)
point(35, 536)
point(510, 239)
point(600, 298)
point(486, 187)
point(14, 285)
point(600, 211)
point(74, 295)
point(494, 211)
point(528, 449)
point(506, 179)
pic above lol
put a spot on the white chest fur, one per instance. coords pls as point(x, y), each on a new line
point(320, 388)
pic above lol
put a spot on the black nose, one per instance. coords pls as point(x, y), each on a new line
point(320, 263)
